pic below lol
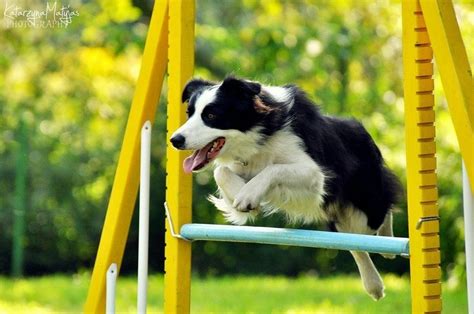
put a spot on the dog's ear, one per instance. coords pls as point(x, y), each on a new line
point(238, 87)
point(193, 86)
point(260, 106)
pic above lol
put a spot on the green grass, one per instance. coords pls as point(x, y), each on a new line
point(341, 294)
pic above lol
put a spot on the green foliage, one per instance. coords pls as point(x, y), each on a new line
point(73, 86)
point(72, 89)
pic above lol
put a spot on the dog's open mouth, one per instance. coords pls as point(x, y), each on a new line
point(203, 156)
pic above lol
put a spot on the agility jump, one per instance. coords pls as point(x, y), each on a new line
point(171, 46)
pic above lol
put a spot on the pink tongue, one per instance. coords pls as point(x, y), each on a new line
point(198, 158)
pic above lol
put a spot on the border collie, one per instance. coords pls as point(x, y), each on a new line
point(275, 152)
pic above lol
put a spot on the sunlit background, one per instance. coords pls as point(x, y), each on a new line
point(65, 93)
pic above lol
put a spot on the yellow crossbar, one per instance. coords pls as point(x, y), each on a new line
point(125, 187)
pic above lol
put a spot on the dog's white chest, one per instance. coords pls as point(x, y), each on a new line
point(248, 169)
point(282, 148)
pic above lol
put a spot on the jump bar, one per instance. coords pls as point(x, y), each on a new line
point(296, 237)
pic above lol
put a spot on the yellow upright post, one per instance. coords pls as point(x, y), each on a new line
point(422, 189)
point(456, 74)
point(124, 190)
point(179, 185)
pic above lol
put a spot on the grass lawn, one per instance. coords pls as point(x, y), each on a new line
point(341, 294)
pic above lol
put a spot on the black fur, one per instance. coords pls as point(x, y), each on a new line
point(349, 157)
point(235, 100)
point(352, 162)
point(191, 92)
point(194, 86)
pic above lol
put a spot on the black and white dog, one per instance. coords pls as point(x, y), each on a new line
point(275, 152)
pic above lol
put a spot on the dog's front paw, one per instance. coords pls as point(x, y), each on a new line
point(230, 213)
point(246, 200)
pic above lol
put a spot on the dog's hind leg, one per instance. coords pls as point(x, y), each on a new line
point(354, 221)
point(371, 279)
point(229, 185)
point(386, 230)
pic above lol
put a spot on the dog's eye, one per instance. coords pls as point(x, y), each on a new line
point(211, 116)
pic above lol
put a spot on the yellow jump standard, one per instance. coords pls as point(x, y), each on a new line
point(421, 162)
point(429, 28)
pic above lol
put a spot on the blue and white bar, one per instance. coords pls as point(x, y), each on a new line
point(296, 237)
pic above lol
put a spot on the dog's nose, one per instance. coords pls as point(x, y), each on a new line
point(178, 141)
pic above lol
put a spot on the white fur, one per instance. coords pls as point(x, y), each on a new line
point(198, 134)
point(386, 230)
point(277, 176)
point(229, 185)
point(280, 94)
point(353, 220)
point(371, 279)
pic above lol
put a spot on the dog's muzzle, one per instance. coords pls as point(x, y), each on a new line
point(178, 141)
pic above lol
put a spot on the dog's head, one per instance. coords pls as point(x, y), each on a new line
point(218, 115)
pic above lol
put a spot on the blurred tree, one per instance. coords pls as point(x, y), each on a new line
point(21, 173)
point(74, 86)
